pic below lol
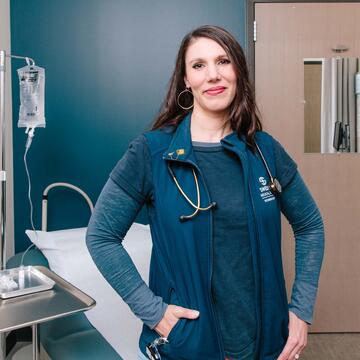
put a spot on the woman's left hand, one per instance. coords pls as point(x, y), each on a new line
point(297, 339)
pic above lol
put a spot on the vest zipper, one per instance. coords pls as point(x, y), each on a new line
point(214, 315)
point(259, 349)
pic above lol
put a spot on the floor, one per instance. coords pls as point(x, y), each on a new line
point(23, 351)
point(332, 347)
point(320, 347)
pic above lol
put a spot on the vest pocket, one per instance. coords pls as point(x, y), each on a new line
point(172, 334)
point(184, 342)
point(176, 334)
point(172, 299)
point(189, 339)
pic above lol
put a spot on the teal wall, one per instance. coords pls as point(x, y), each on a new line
point(107, 68)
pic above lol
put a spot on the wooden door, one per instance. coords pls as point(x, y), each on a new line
point(286, 34)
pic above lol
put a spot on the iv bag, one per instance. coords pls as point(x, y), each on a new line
point(32, 96)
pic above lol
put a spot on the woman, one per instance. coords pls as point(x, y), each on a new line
point(214, 185)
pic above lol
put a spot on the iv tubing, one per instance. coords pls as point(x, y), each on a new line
point(30, 132)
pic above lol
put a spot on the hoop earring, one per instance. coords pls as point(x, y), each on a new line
point(183, 92)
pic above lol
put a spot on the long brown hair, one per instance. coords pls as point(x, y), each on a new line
point(243, 112)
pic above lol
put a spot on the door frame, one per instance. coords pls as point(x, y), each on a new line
point(250, 18)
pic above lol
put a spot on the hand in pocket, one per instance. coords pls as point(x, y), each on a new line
point(172, 315)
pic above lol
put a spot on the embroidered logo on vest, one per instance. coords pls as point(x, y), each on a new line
point(265, 192)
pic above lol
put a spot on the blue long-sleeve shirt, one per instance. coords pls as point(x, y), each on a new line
point(129, 187)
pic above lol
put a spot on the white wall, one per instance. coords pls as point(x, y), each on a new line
point(5, 45)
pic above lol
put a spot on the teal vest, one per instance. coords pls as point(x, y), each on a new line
point(181, 261)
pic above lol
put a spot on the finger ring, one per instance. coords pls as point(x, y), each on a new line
point(297, 356)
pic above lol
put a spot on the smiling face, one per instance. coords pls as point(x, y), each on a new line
point(210, 75)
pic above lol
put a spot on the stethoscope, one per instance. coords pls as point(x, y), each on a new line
point(196, 207)
point(274, 186)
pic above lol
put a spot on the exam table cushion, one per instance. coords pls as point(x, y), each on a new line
point(68, 256)
point(84, 341)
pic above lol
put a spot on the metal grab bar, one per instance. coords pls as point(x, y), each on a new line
point(45, 200)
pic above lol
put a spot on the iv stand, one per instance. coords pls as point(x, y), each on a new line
point(3, 56)
point(2, 172)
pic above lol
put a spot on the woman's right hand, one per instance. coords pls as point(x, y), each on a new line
point(172, 315)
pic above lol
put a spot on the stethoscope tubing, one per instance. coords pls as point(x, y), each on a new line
point(197, 207)
point(275, 188)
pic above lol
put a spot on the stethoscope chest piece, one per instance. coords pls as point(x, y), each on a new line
point(275, 186)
